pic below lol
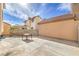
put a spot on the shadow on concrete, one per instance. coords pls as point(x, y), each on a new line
point(28, 41)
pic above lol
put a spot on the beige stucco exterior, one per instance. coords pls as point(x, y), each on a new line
point(75, 8)
point(31, 23)
point(1, 18)
point(6, 28)
point(28, 23)
point(36, 19)
point(60, 29)
point(67, 29)
point(75, 11)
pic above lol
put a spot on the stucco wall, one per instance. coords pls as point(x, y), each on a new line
point(6, 28)
point(37, 19)
point(1, 19)
point(61, 29)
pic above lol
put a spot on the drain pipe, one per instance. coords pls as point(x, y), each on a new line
point(77, 27)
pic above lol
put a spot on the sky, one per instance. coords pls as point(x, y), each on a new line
point(17, 13)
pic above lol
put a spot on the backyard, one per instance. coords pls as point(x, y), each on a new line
point(15, 46)
point(41, 30)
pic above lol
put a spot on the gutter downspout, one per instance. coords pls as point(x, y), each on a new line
point(77, 27)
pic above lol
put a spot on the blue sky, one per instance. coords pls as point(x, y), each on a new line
point(16, 13)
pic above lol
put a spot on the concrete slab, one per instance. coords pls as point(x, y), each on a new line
point(38, 47)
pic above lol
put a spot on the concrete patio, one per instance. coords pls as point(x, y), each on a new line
point(14, 46)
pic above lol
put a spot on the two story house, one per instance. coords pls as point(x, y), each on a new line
point(31, 23)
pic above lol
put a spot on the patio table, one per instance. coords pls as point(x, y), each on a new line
point(27, 35)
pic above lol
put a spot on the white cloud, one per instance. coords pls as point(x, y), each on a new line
point(64, 6)
point(23, 10)
point(17, 10)
point(9, 22)
point(23, 4)
point(41, 9)
point(43, 4)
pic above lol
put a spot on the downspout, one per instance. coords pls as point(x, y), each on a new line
point(77, 27)
point(75, 11)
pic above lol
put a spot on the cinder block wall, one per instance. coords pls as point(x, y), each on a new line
point(60, 29)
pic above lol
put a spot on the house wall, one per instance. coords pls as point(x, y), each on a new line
point(29, 24)
point(1, 15)
point(60, 29)
point(6, 28)
point(75, 11)
point(75, 8)
point(37, 19)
